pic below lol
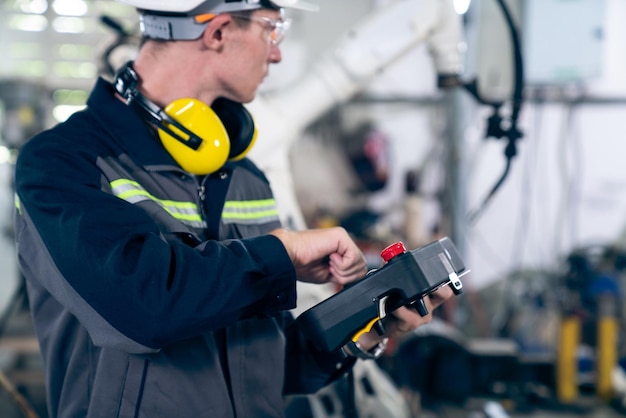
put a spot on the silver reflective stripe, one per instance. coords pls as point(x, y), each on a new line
point(132, 192)
point(250, 211)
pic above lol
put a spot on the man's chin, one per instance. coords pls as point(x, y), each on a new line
point(242, 97)
point(250, 98)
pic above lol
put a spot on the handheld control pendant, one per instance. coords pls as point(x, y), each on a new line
point(405, 279)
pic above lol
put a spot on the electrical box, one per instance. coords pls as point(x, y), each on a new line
point(563, 40)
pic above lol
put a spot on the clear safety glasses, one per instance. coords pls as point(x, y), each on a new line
point(278, 27)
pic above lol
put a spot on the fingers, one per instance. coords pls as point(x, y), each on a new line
point(348, 263)
point(348, 267)
point(318, 272)
point(404, 320)
point(322, 255)
point(440, 296)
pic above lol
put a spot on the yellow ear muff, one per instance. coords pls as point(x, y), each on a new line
point(247, 149)
point(200, 119)
point(239, 124)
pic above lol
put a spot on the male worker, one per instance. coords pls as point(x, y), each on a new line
point(158, 275)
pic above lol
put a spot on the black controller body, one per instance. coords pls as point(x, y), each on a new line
point(405, 280)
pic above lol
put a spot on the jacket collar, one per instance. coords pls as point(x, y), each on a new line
point(127, 128)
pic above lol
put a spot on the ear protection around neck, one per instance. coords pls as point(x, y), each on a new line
point(199, 137)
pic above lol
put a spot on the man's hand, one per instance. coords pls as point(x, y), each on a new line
point(404, 320)
point(323, 255)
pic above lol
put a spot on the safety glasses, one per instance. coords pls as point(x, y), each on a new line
point(277, 27)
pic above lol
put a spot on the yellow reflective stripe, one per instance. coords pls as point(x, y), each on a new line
point(249, 204)
point(18, 204)
point(250, 211)
point(133, 192)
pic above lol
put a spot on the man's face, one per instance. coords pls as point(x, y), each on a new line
point(249, 55)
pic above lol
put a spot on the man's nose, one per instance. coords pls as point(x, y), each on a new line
point(275, 55)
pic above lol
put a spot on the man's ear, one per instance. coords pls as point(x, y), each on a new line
point(213, 35)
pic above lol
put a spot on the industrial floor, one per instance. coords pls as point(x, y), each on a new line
point(484, 408)
point(22, 390)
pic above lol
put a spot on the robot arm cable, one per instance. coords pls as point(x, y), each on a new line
point(494, 129)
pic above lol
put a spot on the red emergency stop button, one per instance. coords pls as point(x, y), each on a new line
point(392, 251)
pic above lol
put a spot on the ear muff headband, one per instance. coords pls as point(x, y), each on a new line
point(198, 137)
point(126, 84)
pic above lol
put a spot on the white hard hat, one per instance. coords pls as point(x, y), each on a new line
point(193, 7)
point(175, 19)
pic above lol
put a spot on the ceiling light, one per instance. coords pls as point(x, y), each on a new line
point(70, 7)
point(28, 23)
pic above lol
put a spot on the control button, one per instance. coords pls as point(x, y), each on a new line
point(392, 251)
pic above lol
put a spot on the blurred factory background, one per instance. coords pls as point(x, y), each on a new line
point(496, 123)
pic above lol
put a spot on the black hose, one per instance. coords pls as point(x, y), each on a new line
point(494, 129)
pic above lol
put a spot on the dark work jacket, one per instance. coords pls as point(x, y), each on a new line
point(155, 293)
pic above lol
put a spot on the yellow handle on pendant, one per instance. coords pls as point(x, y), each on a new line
point(367, 328)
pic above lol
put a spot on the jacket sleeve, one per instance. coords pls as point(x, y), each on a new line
point(106, 261)
point(308, 369)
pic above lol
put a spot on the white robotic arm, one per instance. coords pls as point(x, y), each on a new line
point(364, 51)
point(367, 49)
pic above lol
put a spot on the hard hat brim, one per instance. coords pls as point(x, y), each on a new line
point(296, 4)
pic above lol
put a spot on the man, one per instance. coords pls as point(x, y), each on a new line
point(158, 284)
